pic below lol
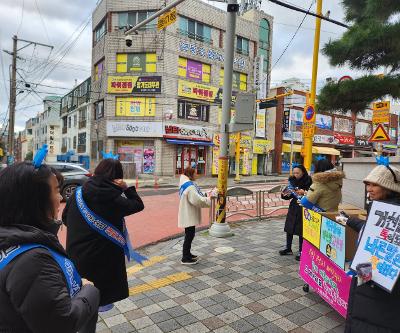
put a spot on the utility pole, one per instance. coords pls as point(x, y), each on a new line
point(13, 94)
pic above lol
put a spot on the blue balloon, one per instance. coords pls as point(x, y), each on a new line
point(40, 156)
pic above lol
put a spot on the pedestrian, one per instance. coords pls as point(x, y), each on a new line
point(326, 188)
point(105, 197)
point(370, 308)
point(40, 289)
point(299, 183)
point(190, 204)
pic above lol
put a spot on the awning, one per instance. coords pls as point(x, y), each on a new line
point(315, 150)
point(190, 142)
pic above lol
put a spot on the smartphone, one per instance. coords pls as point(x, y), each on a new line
point(344, 214)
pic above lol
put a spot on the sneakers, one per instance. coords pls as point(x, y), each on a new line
point(190, 261)
point(285, 252)
point(298, 256)
point(194, 257)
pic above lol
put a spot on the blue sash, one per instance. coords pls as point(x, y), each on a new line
point(74, 282)
point(188, 184)
point(309, 205)
point(106, 229)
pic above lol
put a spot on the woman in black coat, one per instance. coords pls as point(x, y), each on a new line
point(301, 182)
point(34, 294)
point(96, 257)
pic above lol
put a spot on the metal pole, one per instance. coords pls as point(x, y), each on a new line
point(308, 141)
point(237, 157)
point(220, 228)
point(291, 143)
point(13, 97)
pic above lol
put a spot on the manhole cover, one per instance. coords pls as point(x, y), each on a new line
point(224, 249)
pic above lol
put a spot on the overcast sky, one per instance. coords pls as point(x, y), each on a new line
point(62, 24)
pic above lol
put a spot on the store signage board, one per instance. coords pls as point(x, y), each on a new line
point(134, 129)
point(187, 132)
point(134, 84)
point(166, 19)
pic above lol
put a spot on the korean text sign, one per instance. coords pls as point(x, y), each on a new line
point(328, 280)
point(333, 240)
point(312, 226)
point(380, 244)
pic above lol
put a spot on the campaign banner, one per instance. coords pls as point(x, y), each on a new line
point(312, 226)
point(328, 280)
point(333, 241)
point(134, 84)
point(380, 244)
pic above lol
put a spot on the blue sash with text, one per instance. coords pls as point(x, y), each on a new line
point(188, 184)
point(107, 230)
point(74, 282)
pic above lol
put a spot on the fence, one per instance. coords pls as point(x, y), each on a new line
point(244, 204)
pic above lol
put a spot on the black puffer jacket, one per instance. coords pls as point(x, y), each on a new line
point(372, 309)
point(33, 290)
point(97, 258)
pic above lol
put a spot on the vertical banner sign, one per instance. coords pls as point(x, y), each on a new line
point(166, 19)
point(312, 226)
point(286, 121)
point(328, 280)
point(222, 187)
point(308, 121)
point(380, 244)
point(333, 239)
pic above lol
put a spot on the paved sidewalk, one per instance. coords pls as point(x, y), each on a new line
point(252, 289)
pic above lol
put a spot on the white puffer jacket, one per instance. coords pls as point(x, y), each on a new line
point(190, 205)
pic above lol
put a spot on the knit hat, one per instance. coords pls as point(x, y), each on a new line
point(387, 177)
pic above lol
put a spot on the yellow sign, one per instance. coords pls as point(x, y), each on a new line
point(135, 107)
point(245, 141)
point(312, 226)
point(166, 19)
point(380, 117)
point(261, 146)
point(215, 155)
point(1, 152)
point(134, 84)
point(381, 106)
point(379, 135)
point(197, 91)
point(308, 121)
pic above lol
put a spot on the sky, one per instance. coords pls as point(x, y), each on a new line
point(66, 25)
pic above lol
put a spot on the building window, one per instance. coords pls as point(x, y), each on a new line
point(81, 142)
point(194, 70)
point(69, 122)
point(75, 120)
point(264, 38)
point(136, 62)
point(98, 110)
point(100, 31)
point(133, 18)
point(74, 142)
point(195, 30)
point(98, 70)
point(193, 111)
point(239, 80)
point(135, 107)
point(242, 45)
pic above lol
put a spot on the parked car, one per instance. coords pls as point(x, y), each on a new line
point(74, 176)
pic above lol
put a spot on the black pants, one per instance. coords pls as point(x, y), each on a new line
point(187, 244)
point(90, 326)
point(289, 240)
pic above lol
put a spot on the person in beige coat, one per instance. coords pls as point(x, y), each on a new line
point(326, 189)
point(191, 202)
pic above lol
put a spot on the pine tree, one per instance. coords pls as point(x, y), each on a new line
point(371, 43)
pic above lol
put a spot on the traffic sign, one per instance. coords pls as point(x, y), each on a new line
point(166, 19)
point(345, 78)
point(308, 121)
point(379, 135)
point(268, 104)
point(382, 106)
point(380, 117)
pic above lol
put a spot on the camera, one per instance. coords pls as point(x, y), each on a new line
point(128, 40)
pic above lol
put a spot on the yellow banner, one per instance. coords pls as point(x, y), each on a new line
point(197, 91)
point(134, 84)
point(245, 141)
point(312, 226)
point(166, 19)
point(261, 146)
point(135, 107)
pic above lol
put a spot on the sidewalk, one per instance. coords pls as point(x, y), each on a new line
point(251, 289)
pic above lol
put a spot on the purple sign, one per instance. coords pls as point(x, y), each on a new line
point(194, 70)
point(325, 277)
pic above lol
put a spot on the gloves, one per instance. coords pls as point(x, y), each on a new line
point(341, 219)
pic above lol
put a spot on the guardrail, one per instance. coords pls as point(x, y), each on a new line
point(250, 205)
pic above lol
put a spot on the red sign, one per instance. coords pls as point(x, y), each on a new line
point(344, 139)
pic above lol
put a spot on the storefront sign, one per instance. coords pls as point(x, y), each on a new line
point(333, 241)
point(134, 129)
point(362, 143)
point(197, 91)
point(328, 280)
point(193, 111)
point(312, 226)
point(148, 160)
point(260, 123)
point(344, 139)
point(380, 244)
point(134, 84)
point(297, 136)
point(166, 19)
point(367, 115)
point(135, 107)
point(323, 121)
point(363, 129)
point(343, 125)
point(51, 140)
point(245, 141)
point(318, 138)
point(286, 121)
point(213, 55)
point(187, 132)
point(261, 146)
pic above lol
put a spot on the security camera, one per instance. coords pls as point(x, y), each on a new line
point(128, 40)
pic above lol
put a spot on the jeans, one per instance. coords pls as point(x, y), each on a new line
point(187, 244)
point(289, 240)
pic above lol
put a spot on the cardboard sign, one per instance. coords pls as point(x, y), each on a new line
point(328, 280)
point(333, 241)
point(380, 244)
point(312, 226)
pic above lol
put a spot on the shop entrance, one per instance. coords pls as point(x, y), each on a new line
point(187, 154)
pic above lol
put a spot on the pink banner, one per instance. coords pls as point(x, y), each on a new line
point(325, 277)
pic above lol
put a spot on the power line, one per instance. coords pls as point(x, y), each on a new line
point(22, 16)
point(41, 18)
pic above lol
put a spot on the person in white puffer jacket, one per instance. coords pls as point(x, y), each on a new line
point(189, 216)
